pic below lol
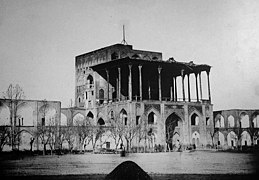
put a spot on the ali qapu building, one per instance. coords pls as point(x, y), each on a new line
point(134, 97)
point(157, 103)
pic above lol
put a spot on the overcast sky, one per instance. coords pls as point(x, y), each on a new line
point(39, 40)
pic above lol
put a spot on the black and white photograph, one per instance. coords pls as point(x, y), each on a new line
point(129, 89)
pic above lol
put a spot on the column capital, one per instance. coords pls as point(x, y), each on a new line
point(130, 65)
point(159, 69)
point(140, 66)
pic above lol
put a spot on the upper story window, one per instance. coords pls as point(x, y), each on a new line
point(194, 120)
point(114, 56)
point(90, 79)
point(151, 118)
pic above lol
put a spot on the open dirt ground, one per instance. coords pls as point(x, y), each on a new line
point(174, 165)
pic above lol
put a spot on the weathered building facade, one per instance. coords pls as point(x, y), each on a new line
point(236, 127)
point(133, 87)
point(24, 118)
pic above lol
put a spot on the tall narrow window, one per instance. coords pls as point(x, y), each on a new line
point(43, 121)
point(101, 96)
point(137, 120)
point(151, 118)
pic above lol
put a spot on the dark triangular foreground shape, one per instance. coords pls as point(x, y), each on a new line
point(128, 170)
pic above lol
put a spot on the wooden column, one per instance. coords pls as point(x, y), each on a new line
point(108, 84)
point(159, 83)
point(200, 84)
point(182, 74)
point(208, 74)
point(189, 92)
point(197, 91)
point(140, 81)
point(119, 83)
point(175, 87)
point(130, 83)
point(172, 90)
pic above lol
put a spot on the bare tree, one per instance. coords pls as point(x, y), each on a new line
point(116, 130)
point(68, 134)
point(14, 95)
point(170, 127)
point(84, 132)
point(42, 130)
point(130, 131)
point(5, 134)
point(238, 131)
point(52, 133)
point(95, 133)
point(212, 135)
point(253, 131)
point(142, 133)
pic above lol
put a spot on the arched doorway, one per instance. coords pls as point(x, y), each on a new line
point(221, 140)
point(170, 124)
point(196, 138)
point(232, 139)
point(101, 122)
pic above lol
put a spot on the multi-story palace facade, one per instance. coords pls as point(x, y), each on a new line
point(133, 87)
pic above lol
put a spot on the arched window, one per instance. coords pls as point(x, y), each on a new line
point(90, 79)
point(137, 120)
point(151, 118)
point(112, 115)
point(123, 116)
point(194, 120)
point(231, 121)
point(101, 122)
point(78, 120)
point(256, 121)
point(219, 121)
point(101, 96)
point(244, 120)
point(114, 56)
point(90, 115)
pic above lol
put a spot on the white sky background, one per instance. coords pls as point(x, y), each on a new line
point(40, 39)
